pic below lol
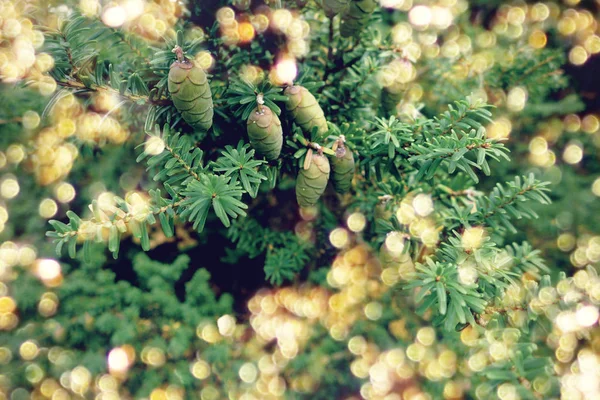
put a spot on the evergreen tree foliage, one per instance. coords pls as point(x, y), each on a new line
point(413, 185)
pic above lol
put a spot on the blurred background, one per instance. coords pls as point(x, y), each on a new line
point(62, 150)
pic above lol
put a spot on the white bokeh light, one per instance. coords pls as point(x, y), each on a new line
point(286, 70)
point(114, 16)
point(48, 269)
point(118, 361)
point(420, 16)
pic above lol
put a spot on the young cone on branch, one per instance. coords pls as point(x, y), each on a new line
point(356, 17)
point(342, 165)
point(190, 92)
point(305, 109)
point(312, 181)
point(265, 132)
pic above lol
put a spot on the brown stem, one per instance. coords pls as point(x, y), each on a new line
point(533, 69)
point(183, 163)
point(179, 53)
point(330, 44)
point(10, 120)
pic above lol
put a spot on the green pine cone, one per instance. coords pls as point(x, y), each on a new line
point(334, 7)
point(311, 182)
point(305, 109)
point(342, 165)
point(265, 132)
point(356, 17)
point(191, 94)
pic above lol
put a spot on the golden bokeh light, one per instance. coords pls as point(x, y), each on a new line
point(64, 192)
point(28, 350)
point(499, 129)
point(248, 372)
point(204, 60)
point(31, 120)
point(48, 208)
point(473, 237)
point(246, 32)
point(590, 124)
point(9, 188)
point(573, 153)
point(516, 99)
point(200, 369)
point(356, 222)
point(538, 39)
point(339, 237)
point(578, 55)
point(596, 187)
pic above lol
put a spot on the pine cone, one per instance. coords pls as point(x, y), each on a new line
point(305, 109)
point(265, 133)
point(343, 169)
point(311, 182)
point(191, 94)
point(356, 17)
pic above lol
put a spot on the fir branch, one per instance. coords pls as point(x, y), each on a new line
point(526, 259)
point(178, 163)
point(465, 116)
point(510, 199)
point(79, 86)
point(284, 263)
point(128, 41)
point(113, 220)
point(465, 153)
point(183, 163)
point(216, 191)
point(286, 255)
point(439, 288)
point(239, 163)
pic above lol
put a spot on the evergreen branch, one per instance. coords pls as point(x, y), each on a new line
point(527, 260)
point(536, 67)
point(185, 178)
point(284, 263)
point(463, 152)
point(127, 40)
point(244, 97)
point(239, 163)
point(439, 288)
point(216, 191)
point(391, 136)
point(111, 221)
point(286, 254)
point(134, 98)
point(178, 161)
point(463, 117)
point(182, 162)
point(509, 200)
